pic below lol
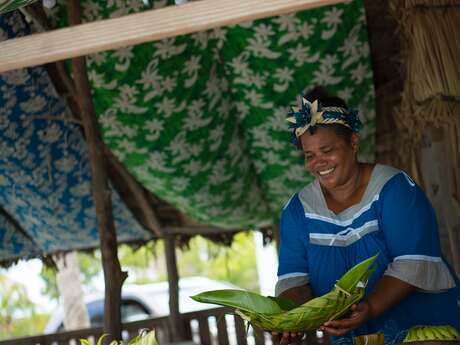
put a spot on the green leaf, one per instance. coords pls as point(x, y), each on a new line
point(284, 303)
point(275, 314)
point(84, 342)
point(99, 342)
point(148, 339)
point(10, 5)
point(134, 341)
point(357, 273)
point(240, 299)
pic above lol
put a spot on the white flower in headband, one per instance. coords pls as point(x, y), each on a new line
point(308, 115)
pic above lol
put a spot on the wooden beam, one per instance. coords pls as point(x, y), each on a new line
point(196, 230)
point(113, 276)
point(142, 27)
point(148, 216)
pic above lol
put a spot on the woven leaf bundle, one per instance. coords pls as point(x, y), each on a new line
point(277, 314)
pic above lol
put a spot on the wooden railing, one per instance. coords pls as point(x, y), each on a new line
point(207, 327)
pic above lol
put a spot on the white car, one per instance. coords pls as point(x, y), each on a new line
point(152, 300)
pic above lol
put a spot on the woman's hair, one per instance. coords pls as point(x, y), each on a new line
point(327, 100)
point(324, 98)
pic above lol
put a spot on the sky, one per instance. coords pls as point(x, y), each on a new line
point(267, 263)
point(27, 273)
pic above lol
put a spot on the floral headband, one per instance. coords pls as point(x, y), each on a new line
point(307, 116)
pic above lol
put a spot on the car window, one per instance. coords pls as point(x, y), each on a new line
point(97, 320)
point(132, 311)
point(96, 313)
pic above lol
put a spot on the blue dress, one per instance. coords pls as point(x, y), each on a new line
point(394, 219)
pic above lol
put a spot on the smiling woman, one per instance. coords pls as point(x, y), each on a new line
point(350, 212)
point(330, 158)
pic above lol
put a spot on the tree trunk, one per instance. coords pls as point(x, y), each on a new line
point(69, 286)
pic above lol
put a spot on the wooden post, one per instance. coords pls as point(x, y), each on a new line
point(176, 320)
point(113, 276)
point(434, 165)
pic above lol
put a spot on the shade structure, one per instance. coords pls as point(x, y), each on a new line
point(199, 119)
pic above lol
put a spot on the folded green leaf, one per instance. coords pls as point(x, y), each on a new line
point(275, 314)
point(284, 303)
point(240, 299)
point(353, 276)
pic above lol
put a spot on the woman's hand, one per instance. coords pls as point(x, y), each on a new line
point(299, 295)
point(388, 292)
point(286, 338)
point(360, 313)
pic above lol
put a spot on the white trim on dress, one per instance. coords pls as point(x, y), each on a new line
point(345, 237)
point(343, 222)
point(418, 257)
point(292, 275)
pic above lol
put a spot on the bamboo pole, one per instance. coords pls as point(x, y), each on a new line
point(113, 276)
point(142, 27)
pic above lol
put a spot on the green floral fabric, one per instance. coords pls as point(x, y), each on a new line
point(200, 119)
point(10, 5)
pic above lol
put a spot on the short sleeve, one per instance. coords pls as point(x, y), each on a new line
point(293, 259)
point(410, 230)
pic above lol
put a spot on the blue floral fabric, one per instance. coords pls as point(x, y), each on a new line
point(45, 173)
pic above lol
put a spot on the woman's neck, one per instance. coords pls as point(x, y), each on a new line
point(351, 192)
point(347, 189)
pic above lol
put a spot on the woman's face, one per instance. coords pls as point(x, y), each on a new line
point(329, 157)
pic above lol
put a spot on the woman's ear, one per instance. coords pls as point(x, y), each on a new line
point(355, 142)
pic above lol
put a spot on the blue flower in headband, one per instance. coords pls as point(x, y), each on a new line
point(308, 115)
